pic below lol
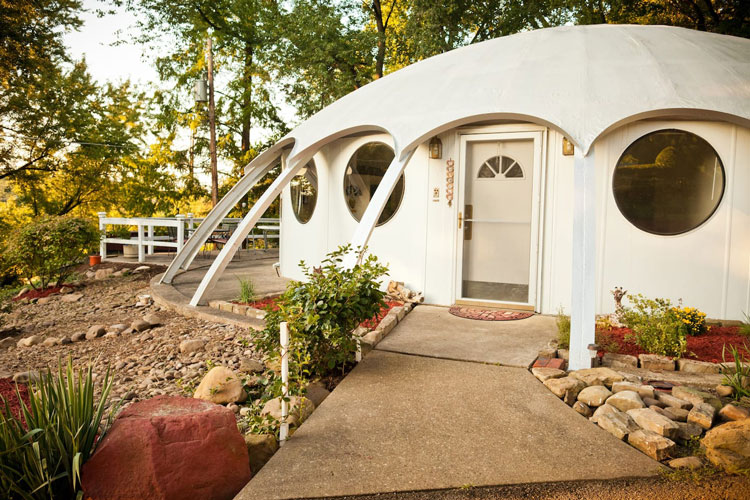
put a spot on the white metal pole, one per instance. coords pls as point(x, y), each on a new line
point(180, 232)
point(284, 334)
point(151, 239)
point(103, 231)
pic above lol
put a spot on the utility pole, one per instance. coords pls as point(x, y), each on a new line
point(212, 125)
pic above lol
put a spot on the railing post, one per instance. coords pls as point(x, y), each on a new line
point(151, 239)
point(284, 334)
point(180, 231)
point(141, 256)
point(191, 224)
point(103, 231)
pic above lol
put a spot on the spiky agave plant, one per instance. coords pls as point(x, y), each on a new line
point(41, 453)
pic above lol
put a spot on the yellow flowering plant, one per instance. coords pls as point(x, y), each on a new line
point(693, 319)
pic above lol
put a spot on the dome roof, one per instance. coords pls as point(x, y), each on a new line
point(580, 80)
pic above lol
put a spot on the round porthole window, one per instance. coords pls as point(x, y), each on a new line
point(668, 182)
point(304, 192)
point(364, 172)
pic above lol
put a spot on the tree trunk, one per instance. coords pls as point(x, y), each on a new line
point(247, 98)
point(380, 56)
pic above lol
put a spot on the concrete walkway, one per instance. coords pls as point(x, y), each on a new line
point(406, 422)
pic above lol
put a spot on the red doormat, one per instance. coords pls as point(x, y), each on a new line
point(488, 314)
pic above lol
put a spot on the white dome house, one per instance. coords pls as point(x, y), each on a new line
point(533, 171)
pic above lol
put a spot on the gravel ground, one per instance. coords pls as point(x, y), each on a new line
point(145, 364)
point(716, 487)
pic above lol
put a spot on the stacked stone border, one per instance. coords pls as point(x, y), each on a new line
point(241, 309)
point(654, 418)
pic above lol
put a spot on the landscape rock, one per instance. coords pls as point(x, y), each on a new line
point(7, 343)
point(582, 409)
point(644, 391)
point(728, 445)
point(220, 385)
point(140, 325)
point(696, 396)
point(50, 341)
point(676, 414)
point(153, 319)
point(119, 327)
point(192, 345)
point(26, 377)
point(653, 402)
point(250, 365)
point(65, 341)
point(688, 431)
point(674, 402)
point(260, 449)
point(141, 269)
point(168, 448)
point(545, 373)
point(603, 410)
point(656, 363)
point(702, 414)
point(65, 290)
point(733, 412)
point(619, 360)
point(686, 463)
point(103, 273)
point(724, 391)
point(626, 400)
point(652, 444)
point(618, 424)
point(566, 388)
point(598, 376)
point(693, 366)
point(72, 297)
point(594, 395)
point(30, 341)
point(652, 421)
point(317, 393)
point(95, 331)
point(78, 337)
point(299, 409)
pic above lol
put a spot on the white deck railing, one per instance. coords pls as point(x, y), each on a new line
point(184, 225)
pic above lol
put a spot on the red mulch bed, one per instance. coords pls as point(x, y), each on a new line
point(8, 391)
point(706, 347)
point(268, 304)
point(38, 294)
point(372, 323)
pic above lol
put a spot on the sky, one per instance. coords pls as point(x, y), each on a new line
point(107, 62)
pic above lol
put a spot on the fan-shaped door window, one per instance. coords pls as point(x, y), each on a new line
point(364, 172)
point(304, 192)
point(500, 167)
point(668, 182)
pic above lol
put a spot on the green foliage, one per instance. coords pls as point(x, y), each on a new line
point(322, 313)
point(745, 325)
point(563, 329)
point(247, 290)
point(42, 453)
point(737, 371)
point(693, 319)
point(48, 248)
point(656, 326)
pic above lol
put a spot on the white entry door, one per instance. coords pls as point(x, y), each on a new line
point(498, 235)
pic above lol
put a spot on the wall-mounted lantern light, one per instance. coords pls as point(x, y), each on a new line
point(436, 148)
point(568, 148)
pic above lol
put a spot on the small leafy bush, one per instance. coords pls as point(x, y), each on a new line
point(322, 313)
point(247, 291)
point(739, 380)
point(41, 454)
point(693, 319)
point(50, 247)
point(745, 325)
point(563, 329)
point(656, 325)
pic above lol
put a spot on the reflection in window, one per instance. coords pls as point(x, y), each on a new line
point(304, 192)
point(668, 182)
point(500, 167)
point(363, 174)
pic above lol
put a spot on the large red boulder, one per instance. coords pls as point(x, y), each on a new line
point(169, 448)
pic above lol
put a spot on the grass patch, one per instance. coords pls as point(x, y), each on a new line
point(247, 290)
point(563, 329)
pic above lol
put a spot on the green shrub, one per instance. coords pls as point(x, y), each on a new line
point(322, 313)
point(50, 247)
point(656, 326)
point(247, 291)
point(740, 379)
point(693, 319)
point(745, 325)
point(42, 453)
point(563, 329)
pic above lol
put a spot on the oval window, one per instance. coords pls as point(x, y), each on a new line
point(304, 192)
point(668, 182)
point(364, 172)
